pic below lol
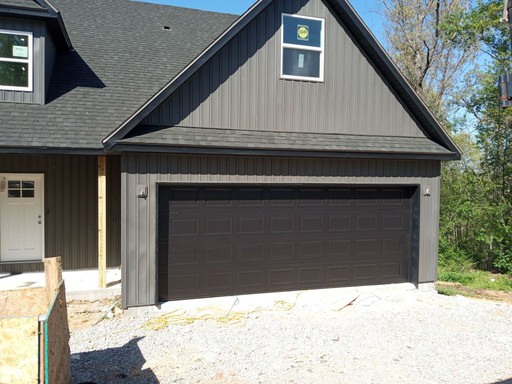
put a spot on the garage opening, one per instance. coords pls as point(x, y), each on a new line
point(216, 241)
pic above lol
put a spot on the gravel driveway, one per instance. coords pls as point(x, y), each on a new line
point(387, 335)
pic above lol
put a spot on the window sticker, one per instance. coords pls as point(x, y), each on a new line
point(301, 60)
point(303, 32)
point(20, 51)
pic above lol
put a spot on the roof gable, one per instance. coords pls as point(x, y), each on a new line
point(349, 107)
point(42, 10)
point(122, 56)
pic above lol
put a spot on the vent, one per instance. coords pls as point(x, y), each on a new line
point(166, 28)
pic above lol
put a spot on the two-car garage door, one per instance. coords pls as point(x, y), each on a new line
point(232, 240)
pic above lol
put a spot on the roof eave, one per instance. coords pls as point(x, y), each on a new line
point(49, 14)
point(234, 151)
point(179, 79)
point(48, 150)
point(401, 85)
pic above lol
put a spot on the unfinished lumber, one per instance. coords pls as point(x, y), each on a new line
point(19, 350)
point(53, 276)
point(23, 302)
point(102, 221)
point(59, 357)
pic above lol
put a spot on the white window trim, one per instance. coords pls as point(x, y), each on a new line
point(29, 61)
point(304, 48)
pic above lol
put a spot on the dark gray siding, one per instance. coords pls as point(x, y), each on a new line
point(49, 56)
point(240, 87)
point(39, 35)
point(71, 217)
point(138, 215)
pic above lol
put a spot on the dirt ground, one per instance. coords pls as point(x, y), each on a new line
point(478, 293)
point(83, 314)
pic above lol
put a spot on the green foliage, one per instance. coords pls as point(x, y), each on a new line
point(477, 279)
point(476, 212)
point(434, 44)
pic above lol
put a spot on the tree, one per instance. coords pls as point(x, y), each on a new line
point(491, 246)
point(436, 44)
point(423, 51)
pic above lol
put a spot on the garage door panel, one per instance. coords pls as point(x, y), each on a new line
point(182, 255)
point(365, 272)
point(311, 275)
point(313, 223)
point(339, 273)
point(391, 270)
point(281, 224)
point(366, 223)
point(219, 226)
point(218, 282)
point(339, 248)
point(251, 224)
point(394, 222)
point(282, 251)
point(252, 280)
point(310, 250)
point(281, 278)
point(183, 227)
point(217, 253)
point(251, 252)
point(244, 240)
point(338, 223)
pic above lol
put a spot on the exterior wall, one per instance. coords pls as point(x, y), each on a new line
point(49, 56)
point(71, 214)
point(37, 96)
point(240, 87)
point(139, 216)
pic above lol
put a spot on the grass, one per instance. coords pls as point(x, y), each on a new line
point(477, 279)
point(474, 283)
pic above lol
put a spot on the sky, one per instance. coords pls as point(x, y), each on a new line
point(367, 9)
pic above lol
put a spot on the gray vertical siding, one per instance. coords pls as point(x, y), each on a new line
point(139, 216)
point(39, 62)
point(71, 215)
point(240, 87)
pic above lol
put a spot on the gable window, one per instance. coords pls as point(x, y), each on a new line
point(15, 60)
point(302, 48)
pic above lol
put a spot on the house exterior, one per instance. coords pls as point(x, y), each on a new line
point(276, 151)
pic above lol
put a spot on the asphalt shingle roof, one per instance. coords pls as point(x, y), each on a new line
point(30, 4)
point(122, 57)
point(287, 141)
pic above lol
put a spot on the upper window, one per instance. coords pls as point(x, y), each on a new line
point(15, 60)
point(302, 48)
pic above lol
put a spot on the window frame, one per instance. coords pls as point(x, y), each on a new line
point(320, 49)
point(29, 61)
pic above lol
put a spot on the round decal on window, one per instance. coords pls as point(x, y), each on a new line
point(303, 32)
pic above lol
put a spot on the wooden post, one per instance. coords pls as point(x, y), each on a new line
point(52, 276)
point(102, 221)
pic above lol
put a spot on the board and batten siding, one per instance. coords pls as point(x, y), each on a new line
point(240, 87)
point(39, 62)
point(139, 215)
point(70, 201)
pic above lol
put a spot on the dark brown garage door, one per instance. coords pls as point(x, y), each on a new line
point(225, 241)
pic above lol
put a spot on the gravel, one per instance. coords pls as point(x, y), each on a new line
point(387, 335)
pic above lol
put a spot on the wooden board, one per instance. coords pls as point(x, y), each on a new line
point(23, 302)
point(102, 221)
point(19, 350)
point(59, 363)
point(53, 276)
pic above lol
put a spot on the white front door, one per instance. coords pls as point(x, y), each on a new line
point(21, 217)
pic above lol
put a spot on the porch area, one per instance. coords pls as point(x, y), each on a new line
point(80, 285)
